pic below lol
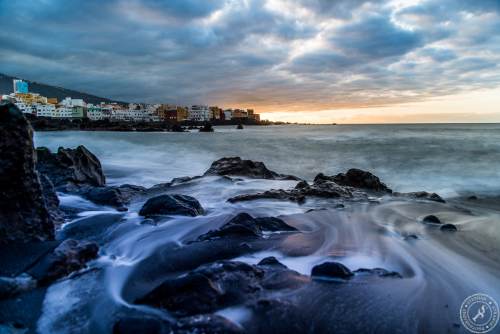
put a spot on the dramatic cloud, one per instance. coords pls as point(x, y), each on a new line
point(275, 55)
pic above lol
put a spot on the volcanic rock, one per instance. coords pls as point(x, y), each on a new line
point(70, 168)
point(448, 228)
point(24, 215)
point(71, 255)
point(431, 219)
point(218, 285)
point(171, 205)
point(235, 166)
point(331, 270)
point(357, 178)
point(244, 225)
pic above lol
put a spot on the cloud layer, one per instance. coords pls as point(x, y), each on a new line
point(275, 55)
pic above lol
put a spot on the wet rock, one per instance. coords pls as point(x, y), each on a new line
point(270, 261)
point(321, 188)
point(207, 127)
point(171, 205)
point(244, 225)
point(24, 215)
point(278, 194)
point(410, 237)
point(177, 128)
point(331, 270)
point(149, 325)
point(206, 289)
point(70, 168)
point(206, 323)
point(431, 219)
point(51, 200)
point(421, 195)
point(273, 315)
point(10, 287)
point(71, 255)
point(380, 272)
point(239, 127)
point(90, 228)
point(115, 196)
point(218, 285)
point(357, 178)
point(235, 166)
point(448, 228)
point(472, 198)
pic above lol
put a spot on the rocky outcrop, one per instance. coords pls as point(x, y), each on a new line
point(171, 205)
point(24, 215)
point(235, 166)
point(218, 285)
point(357, 178)
point(244, 225)
point(69, 169)
point(71, 255)
point(322, 187)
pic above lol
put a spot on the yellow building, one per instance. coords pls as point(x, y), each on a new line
point(31, 98)
point(182, 114)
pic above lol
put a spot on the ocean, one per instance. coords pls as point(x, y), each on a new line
point(437, 270)
point(450, 159)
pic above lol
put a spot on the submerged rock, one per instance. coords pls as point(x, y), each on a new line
point(244, 225)
point(171, 205)
point(331, 270)
point(70, 168)
point(24, 203)
point(378, 272)
point(235, 166)
point(71, 255)
point(421, 195)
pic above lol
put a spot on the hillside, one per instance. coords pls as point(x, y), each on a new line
point(50, 91)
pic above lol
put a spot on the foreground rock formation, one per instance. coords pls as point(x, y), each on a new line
point(24, 213)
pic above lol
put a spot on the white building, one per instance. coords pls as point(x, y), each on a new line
point(228, 114)
point(69, 102)
point(63, 112)
point(24, 107)
point(199, 113)
point(44, 110)
point(94, 113)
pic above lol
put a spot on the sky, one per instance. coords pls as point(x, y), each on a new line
point(318, 61)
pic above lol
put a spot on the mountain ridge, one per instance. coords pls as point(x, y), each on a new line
point(51, 91)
